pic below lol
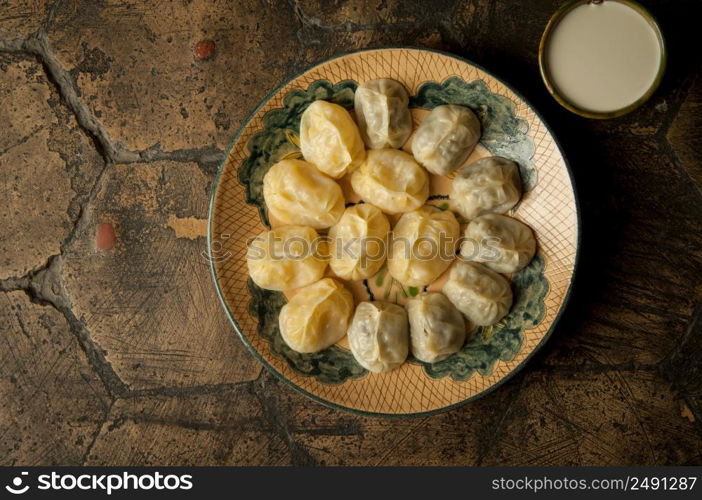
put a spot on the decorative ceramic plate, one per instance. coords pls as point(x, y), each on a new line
point(511, 128)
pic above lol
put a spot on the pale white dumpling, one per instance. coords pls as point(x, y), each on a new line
point(358, 242)
point(445, 138)
point(502, 243)
point(296, 192)
point(423, 245)
point(382, 113)
point(287, 257)
point(489, 185)
point(437, 328)
point(378, 336)
point(392, 181)
point(317, 316)
point(482, 295)
point(329, 139)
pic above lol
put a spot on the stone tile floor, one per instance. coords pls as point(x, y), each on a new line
point(114, 115)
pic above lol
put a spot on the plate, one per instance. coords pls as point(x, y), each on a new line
point(511, 128)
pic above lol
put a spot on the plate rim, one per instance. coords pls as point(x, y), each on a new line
point(357, 411)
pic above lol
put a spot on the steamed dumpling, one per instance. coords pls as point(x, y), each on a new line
point(423, 245)
point(482, 295)
point(296, 192)
point(358, 242)
point(489, 185)
point(392, 181)
point(382, 113)
point(329, 139)
point(445, 138)
point(378, 336)
point(317, 316)
point(502, 243)
point(287, 257)
point(437, 328)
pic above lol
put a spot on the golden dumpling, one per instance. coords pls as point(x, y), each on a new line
point(437, 328)
point(503, 244)
point(482, 295)
point(378, 336)
point(489, 185)
point(287, 257)
point(383, 114)
point(296, 192)
point(445, 138)
point(358, 242)
point(317, 316)
point(329, 139)
point(392, 181)
point(423, 245)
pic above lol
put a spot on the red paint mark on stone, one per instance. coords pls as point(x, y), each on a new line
point(204, 49)
point(105, 236)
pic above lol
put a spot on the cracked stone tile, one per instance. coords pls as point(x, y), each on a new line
point(684, 367)
point(52, 401)
point(375, 12)
point(47, 166)
point(21, 18)
point(581, 418)
point(149, 302)
point(486, 28)
point(332, 437)
point(135, 66)
point(685, 133)
point(225, 428)
point(320, 44)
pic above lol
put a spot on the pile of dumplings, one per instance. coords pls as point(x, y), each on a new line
point(306, 198)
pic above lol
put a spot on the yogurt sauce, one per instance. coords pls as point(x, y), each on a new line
point(603, 57)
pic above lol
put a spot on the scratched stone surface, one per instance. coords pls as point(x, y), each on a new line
point(114, 117)
point(148, 302)
point(53, 401)
point(47, 167)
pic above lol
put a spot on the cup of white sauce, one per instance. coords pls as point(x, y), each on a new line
point(602, 58)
